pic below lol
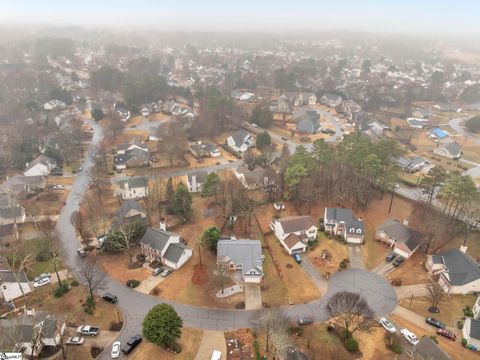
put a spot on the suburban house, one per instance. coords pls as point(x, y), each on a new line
point(20, 184)
point(242, 95)
point(195, 180)
point(42, 165)
point(451, 150)
point(476, 309)
point(242, 256)
point(342, 222)
point(124, 114)
point(307, 121)
point(437, 134)
point(130, 211)
point(294, 232)
point(411, 165)
point(421, 113)
point(375, 130)
point(54, 105)
point(148, 109)
point(133, 188)
point(306, 99)
point(164, 246)
point(281, 105)
point(403, 239)
point(350, 108)
point(331, 100)
point(427, 349)
point(417, 123)
point(257, 178)
point(131, 158)
point(199, 149)
point(457, 272)
point(241, 141)
point(10, 287)
point(8, 233)
point(10, 211)
point(471, 332)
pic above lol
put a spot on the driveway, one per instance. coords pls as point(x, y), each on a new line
point(384, 268)
point(211, 341)
point(355, 256)
point(149, 284)
point(253, 297)
point(320, 282)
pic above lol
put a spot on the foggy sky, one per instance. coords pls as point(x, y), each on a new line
point(393, 16)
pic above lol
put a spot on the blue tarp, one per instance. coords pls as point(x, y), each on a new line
point(439, 133)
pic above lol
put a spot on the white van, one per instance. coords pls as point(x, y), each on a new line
point(217, 355)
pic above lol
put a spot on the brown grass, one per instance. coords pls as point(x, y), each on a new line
point(412, 272)
point(117, 267)
point(337, 250)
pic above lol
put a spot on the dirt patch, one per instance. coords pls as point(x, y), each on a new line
point(239, 344)
point(200, 275)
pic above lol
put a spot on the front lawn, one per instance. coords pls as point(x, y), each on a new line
point(412, 270)
point(328, 254)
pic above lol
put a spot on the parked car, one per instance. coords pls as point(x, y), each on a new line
point(116, 350)
point(390, 257)
point(447, 333)
point(81, 252)
point(409, 336)
point(88, 330)
point(131, 344)
point(58, 187)
point(41, 276)
point(254, 125)
point(41, 282)
point(157, 271)
point(76, 340)
point(110, 298)
point(398, 261)
point(297, 258)
point(387, 325)
point(305, 321)
point(165, 272)
point(284, 138)
point(435, 323)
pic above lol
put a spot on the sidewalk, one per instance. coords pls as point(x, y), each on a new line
point(413, 317)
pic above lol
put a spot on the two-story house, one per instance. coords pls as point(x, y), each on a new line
point(133, 188)
point(402, 239)
point(257, 178)
point(331, 100)
point(42, 165)
point(294, 232)
point(195, 180)
point(241, 141)
point(342, 222)
point(242, 257)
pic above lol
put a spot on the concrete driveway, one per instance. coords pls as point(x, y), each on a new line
point(211, 341)
point(149, 284)
point(314, 275)
point(253, 296)
point(355, 256)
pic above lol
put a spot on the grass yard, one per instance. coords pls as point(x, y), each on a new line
point(117, 266)
point(473, 244)
point(33, 247)
point(450, 308)
point(411, 272)
point(46, 202)
point(189, 341)
point(372, 345)
point(274, 291)
point(336, 251)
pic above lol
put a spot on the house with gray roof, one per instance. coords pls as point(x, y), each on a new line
point(242, 257)
point(471, 332)
point(257, 178)
point(427, 349)
point(402, 239)
point(13, 285)
point(241, 141)
point(165, 246)
point(342, 222)
point(195, 180)
point(457, 272)
point(133, 188)
point(307, 121)
point(411, 165)
point(23, 185)
point(294, 232)
point(203, 149)
point(331, 100)
point(42, 165)
point(451, 150)
point(130, 212)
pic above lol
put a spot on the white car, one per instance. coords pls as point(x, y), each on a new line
point(411, 337)
point(387, 325)
point(116, 349)
point(76, 340)
point(41, 276)
point(41, 282)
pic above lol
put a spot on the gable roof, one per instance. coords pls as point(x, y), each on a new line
point(200, 176)
point(6, 230)
point(292, 240)
point(174, 252)
point(239, 136)
point(41, 159)
point(258, 175)
point(9, 276)
point(453, 148)
point(130, 204)
point(461, 267)
point(134, 182)
point(156, 238)
point(401, 233)
point(242, 251)
point(293, 224)
point(427, 349)
point(345, 216)
point(474, 329)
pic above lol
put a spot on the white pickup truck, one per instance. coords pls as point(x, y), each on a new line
point(88, 330)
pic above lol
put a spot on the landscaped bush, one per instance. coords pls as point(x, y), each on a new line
point(88, 310)
point(434, 339)
point(464, 342)
point(175, 348)
point(74, 282)
point(61, 290)
point(351, 344)
point(396, 348)
point(467, 311)
point(43, 255)
point(396, 282)
point(231, 151)
point(344, 263)
point(133, 283)
point(460, 324)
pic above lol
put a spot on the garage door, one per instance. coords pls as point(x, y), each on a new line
point(401, 253)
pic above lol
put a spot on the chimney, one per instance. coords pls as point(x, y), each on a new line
point(405, 222)
point(163, 226)
point(463, 249)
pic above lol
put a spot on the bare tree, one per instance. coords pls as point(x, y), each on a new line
point(435, 293)
point(273, 324)
point(124, 239)
point(56, 260)
point(350, 309)
point(92, 275)
point(19, 264)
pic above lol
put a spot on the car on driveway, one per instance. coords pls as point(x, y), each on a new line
point(41, 276)
point(305, 321)
point(387, 325)
point(390, 257)
point(131, 344)
point(76, 340)
point(409, 336)
point(447, 333)
point(435, 322)
point(297, 258)
point(41, 282)
point(88, 330)
point(284, 138)
point(157, 271)
point(81, 252)
point(110, 298)
point(398, 261)
point(165, 272)
point(115, 353)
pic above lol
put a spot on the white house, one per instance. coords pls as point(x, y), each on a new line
point(243, 257)
point(294, 232)
point(471, 332)
point(331, 100)
point(164, 246)
point(338, 221)
point(451, 150)
point(40, 166)
point(133, 188)
point(476, 308)
point(10, 287)
point(195, 180)
point(241, 141)
point(457, 272)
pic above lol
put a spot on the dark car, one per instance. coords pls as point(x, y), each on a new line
point(398, 261)
point(435, 322)
point(110, 298)
point(131, 344)
point(390, 257)
point(297, 258)
point(81, 252)
point(284, 138)
point(305, 321)
point(448, 334)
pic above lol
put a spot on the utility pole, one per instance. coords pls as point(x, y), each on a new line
point(391, 199)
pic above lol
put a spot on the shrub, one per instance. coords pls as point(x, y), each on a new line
point(351, 344)
point(464, 342)
point(434, 339)
point(74, 282)
point(88, 310)
point(396, 348)
point(61, 290)
point(467, 311)
point(344, 263)
point(256, 349)
point(90, 302)
point(460, 324)
point(175, 347)
point(43, 255)
point(133, 283)
point(396, 282)
point(330, 328)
